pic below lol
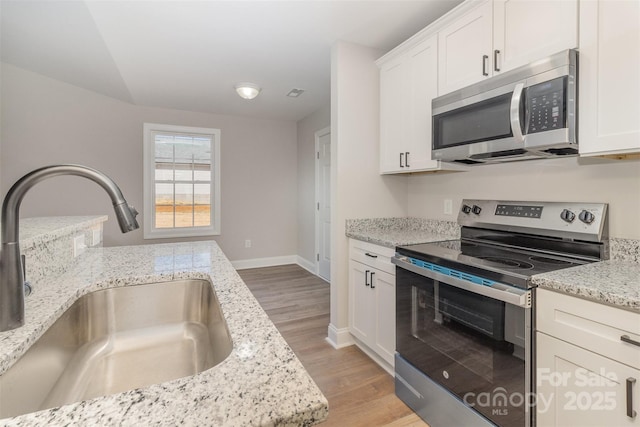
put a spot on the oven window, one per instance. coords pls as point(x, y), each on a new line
point(458, 339)
point(481, 121)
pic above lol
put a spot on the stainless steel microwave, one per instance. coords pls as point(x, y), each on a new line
point(526, 113)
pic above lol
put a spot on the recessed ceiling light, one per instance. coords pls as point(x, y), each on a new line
point(248, 90)
point(294, 93)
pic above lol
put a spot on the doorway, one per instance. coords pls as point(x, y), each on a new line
point(323, 203)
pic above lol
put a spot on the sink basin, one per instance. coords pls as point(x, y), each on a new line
point(119, 339)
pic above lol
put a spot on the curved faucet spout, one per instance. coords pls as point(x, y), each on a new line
point(11, 267)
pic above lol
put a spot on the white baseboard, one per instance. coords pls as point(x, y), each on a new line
point(310, 266)
point(243, 264)
point(339, 338)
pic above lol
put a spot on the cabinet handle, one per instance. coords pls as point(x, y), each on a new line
point(370, 255)
point(406, 159)
point(630, 383)
point(372, 287)
point(484, 65)
point(627, 339)
point(366, 283)
point(401, 165)
point(495, 60)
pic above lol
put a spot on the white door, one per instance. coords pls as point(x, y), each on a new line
point(464, 50)
point(517, 38)
point(323, 205)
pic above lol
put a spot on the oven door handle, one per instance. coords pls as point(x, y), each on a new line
point(508, 294)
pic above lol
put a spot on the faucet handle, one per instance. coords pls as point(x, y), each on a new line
point(26, 284)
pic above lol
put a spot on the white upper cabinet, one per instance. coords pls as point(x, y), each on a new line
point(464, 49)
point(501, 35)
point(525, 30)
point(609, 86)
point(393, 115)
point(408, 83)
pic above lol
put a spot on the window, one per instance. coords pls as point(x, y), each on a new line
point(181, 181)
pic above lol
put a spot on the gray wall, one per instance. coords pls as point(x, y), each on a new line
point(616, 182)
point(45, 121)
point(307, 128)
point(357, 188)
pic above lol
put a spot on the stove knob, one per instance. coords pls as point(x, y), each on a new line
point(586, 217)
point(567, 215)
point(466, 209)
point(476, 209)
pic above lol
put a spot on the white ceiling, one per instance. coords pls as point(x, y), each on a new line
point(188, 55)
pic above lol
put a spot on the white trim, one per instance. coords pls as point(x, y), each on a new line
point(319, 134)
point(339, 338)
point(310, 266)
point(243, 264)
point(148, 179)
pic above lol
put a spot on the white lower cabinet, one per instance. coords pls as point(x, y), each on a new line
point(372, 296)
point(587, 363)
point(580, 388)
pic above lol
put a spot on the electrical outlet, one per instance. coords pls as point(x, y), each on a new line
point(96, 237)
point(247, 243)
point(78, 245)
point(448, 207)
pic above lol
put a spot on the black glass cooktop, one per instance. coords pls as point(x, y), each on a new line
point(513, 266)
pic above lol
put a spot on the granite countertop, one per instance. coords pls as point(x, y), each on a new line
point(613, 282)
point(392, 232)
point(39, 230)
point(260, 383)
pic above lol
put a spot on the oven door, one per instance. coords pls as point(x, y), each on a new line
point(475, 346)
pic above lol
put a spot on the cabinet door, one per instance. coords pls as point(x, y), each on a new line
point(385, 302)
point(423, 87)
point(393, 119)
point(464, 50)
point(576, 387)
point(609, 87)
point(361, 302)
point(525, 31)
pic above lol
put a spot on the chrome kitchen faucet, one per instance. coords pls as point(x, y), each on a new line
point(12, 281)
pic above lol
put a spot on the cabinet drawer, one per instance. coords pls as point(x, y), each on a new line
point(587, 324)
point(375, 256)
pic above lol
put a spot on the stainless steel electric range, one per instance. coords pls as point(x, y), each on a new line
point(465, 308)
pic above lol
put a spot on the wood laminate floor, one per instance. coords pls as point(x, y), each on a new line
point(360, 393)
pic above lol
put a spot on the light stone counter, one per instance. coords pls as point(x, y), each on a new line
point(616, 283)
point(392, 232)
point(260, 383)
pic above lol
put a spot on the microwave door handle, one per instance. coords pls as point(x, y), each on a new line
point(516, 99)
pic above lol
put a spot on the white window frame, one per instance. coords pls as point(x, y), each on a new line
point(150, 231)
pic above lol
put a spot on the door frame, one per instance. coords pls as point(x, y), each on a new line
point(317, 136)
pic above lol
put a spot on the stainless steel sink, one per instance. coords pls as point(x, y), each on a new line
point(119, 339)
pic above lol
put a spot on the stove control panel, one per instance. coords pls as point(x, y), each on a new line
point(567, 220)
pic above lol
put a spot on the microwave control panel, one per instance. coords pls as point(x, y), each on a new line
point(546, 108)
